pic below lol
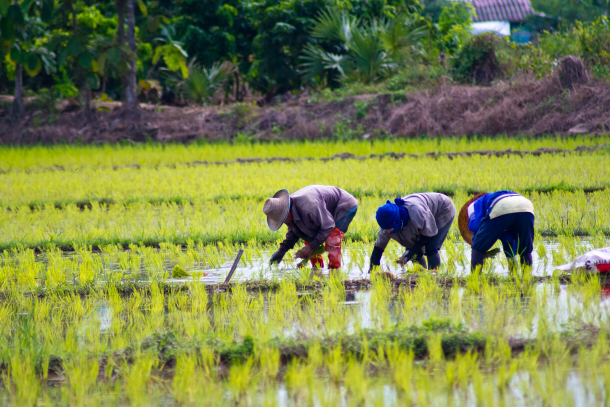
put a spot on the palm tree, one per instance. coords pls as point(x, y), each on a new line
point(368, 50)
point(202, 83)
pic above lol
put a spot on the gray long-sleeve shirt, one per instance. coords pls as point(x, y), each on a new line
point(314, 210)
point(428, 212)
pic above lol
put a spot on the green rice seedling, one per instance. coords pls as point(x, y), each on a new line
point(208, 361)
point(20, 379)
point(357, 382)
point(401, 369)
point(381, 295)
point(268, 362)
point(335, 364)
point(179, 272)
point(39, 158)
point(329, 396)
point(299, 377)
point(108, 298)
point(81, 375)
point(186, 380)
point(240, 379)
point(136, 378)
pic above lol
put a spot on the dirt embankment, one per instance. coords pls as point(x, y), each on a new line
point(529, 108)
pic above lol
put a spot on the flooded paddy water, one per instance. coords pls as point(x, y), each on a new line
point(213, 265)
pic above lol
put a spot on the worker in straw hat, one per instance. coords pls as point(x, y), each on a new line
point(502, 215)
point(318, 214)
point(419, 222)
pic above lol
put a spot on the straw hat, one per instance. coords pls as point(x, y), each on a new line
point(276, 209)
point(463, 219)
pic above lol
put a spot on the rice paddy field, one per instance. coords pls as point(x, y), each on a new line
point(113, 262)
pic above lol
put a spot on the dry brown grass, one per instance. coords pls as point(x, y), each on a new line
point(528, 107)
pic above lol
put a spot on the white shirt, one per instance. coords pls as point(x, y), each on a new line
point(511, 204)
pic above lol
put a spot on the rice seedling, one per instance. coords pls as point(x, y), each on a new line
point(90, 313)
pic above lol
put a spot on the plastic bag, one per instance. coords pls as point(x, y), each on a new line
point(595, 261)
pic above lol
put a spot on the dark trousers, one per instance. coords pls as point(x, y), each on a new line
point(515, 231)
point(432, 247)
point(343, 223)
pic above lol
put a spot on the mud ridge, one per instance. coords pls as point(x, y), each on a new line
point(127, 288)
point(167, 346)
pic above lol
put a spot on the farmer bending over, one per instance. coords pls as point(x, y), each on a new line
point(318, 214)
point(418, 222)
point(502, 215)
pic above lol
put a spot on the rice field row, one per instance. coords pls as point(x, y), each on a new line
point(242, 221)
point(385, 177)
point(74, 156)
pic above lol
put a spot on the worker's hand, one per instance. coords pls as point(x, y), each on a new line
point(276, 257)
point(404, 259)
point(304, 253)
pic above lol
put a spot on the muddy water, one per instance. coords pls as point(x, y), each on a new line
point(261, 270)
point(355, 262)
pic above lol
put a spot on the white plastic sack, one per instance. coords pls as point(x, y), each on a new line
point(595, 261)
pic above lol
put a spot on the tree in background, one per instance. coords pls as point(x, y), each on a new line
point(570, 11)
point(21, 25)
point(454, 26)
point(368, 50)
point(120, 48)
point(433, 8)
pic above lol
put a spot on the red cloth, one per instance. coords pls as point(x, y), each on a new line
point(603, 268)
point(333, 246)
point(316, 261)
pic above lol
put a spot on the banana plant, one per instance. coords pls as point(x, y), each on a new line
point(172, 52)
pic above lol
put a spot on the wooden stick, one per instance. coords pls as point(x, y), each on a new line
point(234, 266)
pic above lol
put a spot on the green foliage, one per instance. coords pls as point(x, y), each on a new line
point(275, 46)
point(368, 51)
point(237, 352)
point(202, 83)
point(476, 62)
point(454, 25)
point(571, 11)
point(557, 44)
point(415, 76)
point(172, 52)
point(20, 27)
point(179, 272)
point(282, 34)
point(588, 41)
point(402, 31)
point(526, 61)
point(433, 8)
point(362, 108)
point(594, 41)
